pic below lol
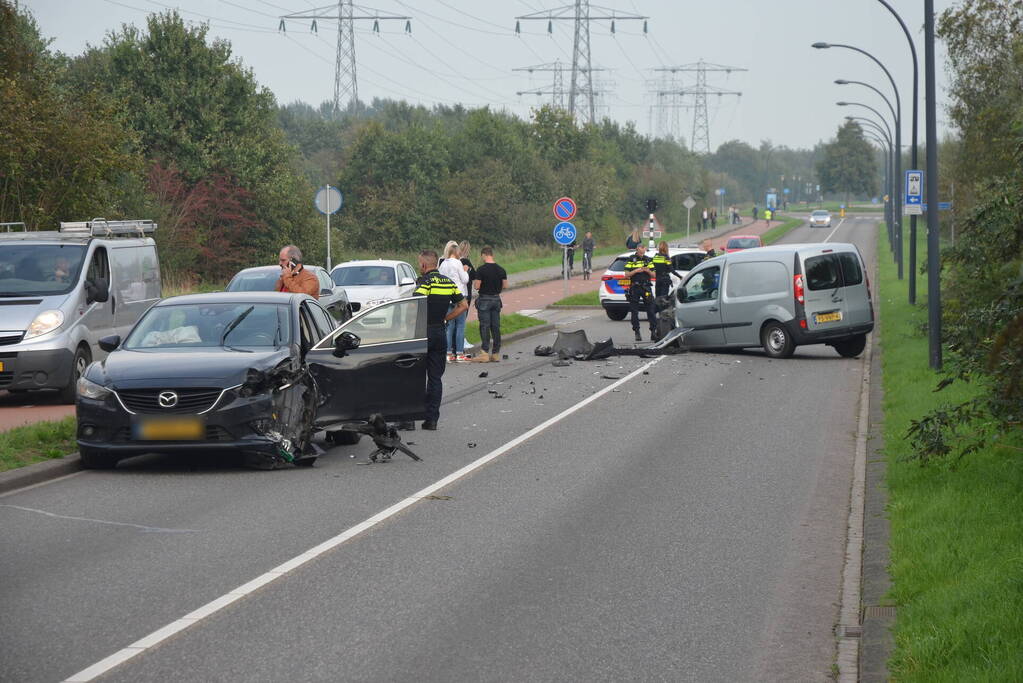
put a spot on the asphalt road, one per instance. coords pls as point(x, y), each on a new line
point(689, 525)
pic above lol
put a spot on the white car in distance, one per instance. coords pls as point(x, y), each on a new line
point(821, 218)
point(371, 283)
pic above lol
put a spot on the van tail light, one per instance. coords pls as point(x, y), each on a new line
point(797, 288)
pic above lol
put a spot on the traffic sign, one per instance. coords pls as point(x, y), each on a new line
point(656, 234)
point(914, 188)
point(720, 192)
point(328, 200)
point(564, 233)
point(689, 203)
point(785, 191)
point(564, 209)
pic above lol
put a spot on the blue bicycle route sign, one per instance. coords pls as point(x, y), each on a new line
point(564, 233)
point(564, 209)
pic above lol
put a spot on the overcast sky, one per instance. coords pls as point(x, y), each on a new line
point(464, 51)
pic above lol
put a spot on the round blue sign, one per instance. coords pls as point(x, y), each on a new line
point(564, 209)
point(564, 233)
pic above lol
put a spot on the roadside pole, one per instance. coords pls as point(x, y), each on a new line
point(689, 203)
point(327, 201)
point(564, 234)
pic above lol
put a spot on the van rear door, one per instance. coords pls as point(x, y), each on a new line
point(825, 299)
point(854, 288)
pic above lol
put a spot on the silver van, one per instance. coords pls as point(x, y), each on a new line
point(62, 290)
point(778, 297)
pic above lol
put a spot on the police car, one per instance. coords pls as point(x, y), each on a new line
point(614, 286)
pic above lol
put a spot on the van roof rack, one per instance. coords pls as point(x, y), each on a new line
point(101, 227)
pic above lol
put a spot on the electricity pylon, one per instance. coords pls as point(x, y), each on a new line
point(581, 92)
point(701, 121)
point(557, 90)
point(346, 86)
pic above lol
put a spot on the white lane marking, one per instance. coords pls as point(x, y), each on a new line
point(165, 632)
point(141, 527)
point(835, 230)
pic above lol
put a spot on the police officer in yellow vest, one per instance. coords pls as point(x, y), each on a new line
point(639, 269)
point(443, 302)
point(663, 268)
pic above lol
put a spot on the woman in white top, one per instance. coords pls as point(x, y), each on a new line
point(452, 268)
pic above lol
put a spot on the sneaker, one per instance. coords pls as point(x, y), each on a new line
point(451, 358)
point(482, 357)
point(461, 358)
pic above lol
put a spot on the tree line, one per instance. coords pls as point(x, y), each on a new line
point(165, 123)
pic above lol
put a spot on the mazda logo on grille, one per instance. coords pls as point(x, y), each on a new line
point(167, 399)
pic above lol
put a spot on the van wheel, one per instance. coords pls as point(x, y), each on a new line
point(615, 314)
point(776, 340)
point(97, 460)
point(81, 361)
point(851, 347)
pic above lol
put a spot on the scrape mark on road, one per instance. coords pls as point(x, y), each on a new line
point(141, 527)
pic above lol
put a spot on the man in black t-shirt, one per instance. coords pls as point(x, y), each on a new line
point(490, 280)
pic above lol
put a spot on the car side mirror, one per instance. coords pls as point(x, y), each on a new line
point(110, 343)
point(97, 291)
point(345, 342)
point(681, 295)
point(326, 292)
point(406, 281)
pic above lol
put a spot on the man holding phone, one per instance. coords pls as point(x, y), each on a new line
point(294, 277)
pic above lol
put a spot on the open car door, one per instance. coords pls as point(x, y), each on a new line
point(385, 374)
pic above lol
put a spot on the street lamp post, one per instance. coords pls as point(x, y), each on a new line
point(889, 161)
point(886, 150)
point(892, 136)
point(913, 152)
point(931, 182)
point(898, 139)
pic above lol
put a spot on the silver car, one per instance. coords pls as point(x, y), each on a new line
point(779, 297)
point(820, 219)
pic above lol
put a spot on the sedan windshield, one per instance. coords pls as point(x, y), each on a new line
point(356, 276)
point(743, 243)
point(254, 281)
point(204, 326)
point(820, 213)
point(39, 269)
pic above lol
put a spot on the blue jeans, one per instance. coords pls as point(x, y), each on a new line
point(489, 308)
point(455, 332)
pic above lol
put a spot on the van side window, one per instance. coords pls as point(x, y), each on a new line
point(150, 272)
point(852, 274)
point(128, 268)
point(756, 277)
point(703, 286)
point(822, 272)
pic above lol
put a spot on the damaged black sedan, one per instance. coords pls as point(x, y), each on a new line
point(253, 372)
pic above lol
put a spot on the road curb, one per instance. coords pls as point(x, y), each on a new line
point(849, 629)
point(528, 332)
point(39, 472)
point(575, 307)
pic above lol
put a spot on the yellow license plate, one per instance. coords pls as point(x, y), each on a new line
point(1, 366)
point(829, 317)
point(170, 429)
point(625, 282)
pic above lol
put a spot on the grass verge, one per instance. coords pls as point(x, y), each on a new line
point(956, 529)
point(580, 299)
point(32, 443)
point(510, 322)
point(779, 231)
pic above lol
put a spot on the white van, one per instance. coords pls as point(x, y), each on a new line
point(62, 290)
point(778, 297)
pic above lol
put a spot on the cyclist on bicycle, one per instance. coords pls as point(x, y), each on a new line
point(588, 244)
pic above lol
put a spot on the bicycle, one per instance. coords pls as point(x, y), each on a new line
point(587, 265)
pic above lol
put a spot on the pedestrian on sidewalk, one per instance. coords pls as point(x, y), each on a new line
point(588, 245)
point(767, 215)
point(706, 217)
point(464, 252)
point(451, 267)
point(713, 218)
point(443, 303)
point(754, 212)
point(490, 281)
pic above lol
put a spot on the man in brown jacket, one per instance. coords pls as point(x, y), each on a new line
point(294, 277)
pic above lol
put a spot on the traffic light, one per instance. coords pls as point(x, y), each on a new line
point(651, 205)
